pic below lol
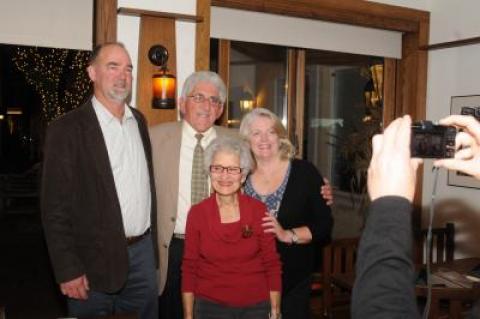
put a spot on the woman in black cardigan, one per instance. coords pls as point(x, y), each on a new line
point(298, 215)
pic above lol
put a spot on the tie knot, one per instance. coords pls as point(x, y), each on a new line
point(199, 137)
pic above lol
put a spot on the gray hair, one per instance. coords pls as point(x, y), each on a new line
point(231, 145)
point(204, 76)
point(286, 148)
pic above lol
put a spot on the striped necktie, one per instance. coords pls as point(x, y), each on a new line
point(199, 177)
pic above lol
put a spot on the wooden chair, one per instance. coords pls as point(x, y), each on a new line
point(442, 247)
point(338, 258)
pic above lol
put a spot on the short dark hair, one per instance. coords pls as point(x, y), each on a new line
point(97, 49)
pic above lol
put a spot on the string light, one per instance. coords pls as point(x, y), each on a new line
point(58, 75)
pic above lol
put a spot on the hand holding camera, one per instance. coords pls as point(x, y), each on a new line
point(467, 155)
point(392, 172)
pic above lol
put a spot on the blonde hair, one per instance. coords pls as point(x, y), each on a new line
point(286, 148)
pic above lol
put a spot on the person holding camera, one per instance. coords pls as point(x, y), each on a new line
point(384, 286)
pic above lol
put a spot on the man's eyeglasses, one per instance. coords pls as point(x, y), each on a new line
point(231, 170)
point(200, 98)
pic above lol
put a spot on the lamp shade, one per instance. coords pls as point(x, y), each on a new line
point(163, 84)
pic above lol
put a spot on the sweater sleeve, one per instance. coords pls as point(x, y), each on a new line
point(268, 252)
point(191, 251)
point(384, 286)
point(321, 221)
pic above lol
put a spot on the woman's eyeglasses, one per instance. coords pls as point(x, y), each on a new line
point(231, 170)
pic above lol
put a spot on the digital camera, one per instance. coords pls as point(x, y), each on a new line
point(432, 141)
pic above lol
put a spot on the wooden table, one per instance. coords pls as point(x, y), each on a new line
point(448, 283)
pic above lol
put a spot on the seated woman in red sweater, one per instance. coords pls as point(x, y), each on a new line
point(230, 268)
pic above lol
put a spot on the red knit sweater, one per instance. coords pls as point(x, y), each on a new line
point(223, 262)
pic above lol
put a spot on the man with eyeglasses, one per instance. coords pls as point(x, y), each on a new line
point(175, 156)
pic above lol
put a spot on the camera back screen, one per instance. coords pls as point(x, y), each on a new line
point(432, 141)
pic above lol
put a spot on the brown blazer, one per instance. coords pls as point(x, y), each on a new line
point(80, 208)
point(166, 139)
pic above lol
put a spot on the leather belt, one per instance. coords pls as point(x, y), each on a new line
point(133, 239)
point(179, 236)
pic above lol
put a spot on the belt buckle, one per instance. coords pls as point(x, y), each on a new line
point(133, 239)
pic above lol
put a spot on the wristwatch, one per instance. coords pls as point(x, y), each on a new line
point(294, 236)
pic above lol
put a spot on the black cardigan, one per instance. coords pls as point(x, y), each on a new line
point(303, 205)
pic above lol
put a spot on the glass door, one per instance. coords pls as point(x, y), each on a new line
point(256, 77)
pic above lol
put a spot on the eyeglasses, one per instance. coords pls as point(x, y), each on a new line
point(231, 170)
point(200, 98)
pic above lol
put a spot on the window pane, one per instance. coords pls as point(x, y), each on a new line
point(257, 79)
point(340, 120)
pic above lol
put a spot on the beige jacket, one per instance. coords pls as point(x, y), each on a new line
point(166, 139)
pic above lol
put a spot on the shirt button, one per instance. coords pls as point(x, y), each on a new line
point(165, 245)
point(172, 219)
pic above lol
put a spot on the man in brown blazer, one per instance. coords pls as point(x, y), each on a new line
point(98, 198)
point(201, 104)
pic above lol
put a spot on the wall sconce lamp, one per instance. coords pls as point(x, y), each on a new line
point(246, 102)
point(163, 82)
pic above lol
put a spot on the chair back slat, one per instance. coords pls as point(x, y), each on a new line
point(442, 247)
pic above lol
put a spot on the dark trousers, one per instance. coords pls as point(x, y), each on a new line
point(205, 309)
point(139, 294)
point(296, 301)
point(171, 306)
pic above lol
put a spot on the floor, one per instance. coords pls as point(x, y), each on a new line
point(27, 287)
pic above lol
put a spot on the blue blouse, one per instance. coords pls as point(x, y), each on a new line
point(272, 200)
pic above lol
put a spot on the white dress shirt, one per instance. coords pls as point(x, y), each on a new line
point(189, 141)
point(129, 167)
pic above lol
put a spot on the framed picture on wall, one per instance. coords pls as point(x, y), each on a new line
point(463, 105)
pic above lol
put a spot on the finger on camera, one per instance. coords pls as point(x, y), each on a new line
point(464, 154)
point(404, 132)
point(465, 122)
point(459, 166)
point(390, 135)
point(463, 140)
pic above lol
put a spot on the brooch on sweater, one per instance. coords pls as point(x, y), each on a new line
point(247, 231)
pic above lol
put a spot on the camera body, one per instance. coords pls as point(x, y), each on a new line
point(432, 141)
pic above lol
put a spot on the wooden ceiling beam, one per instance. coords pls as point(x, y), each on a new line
point(352, 12)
